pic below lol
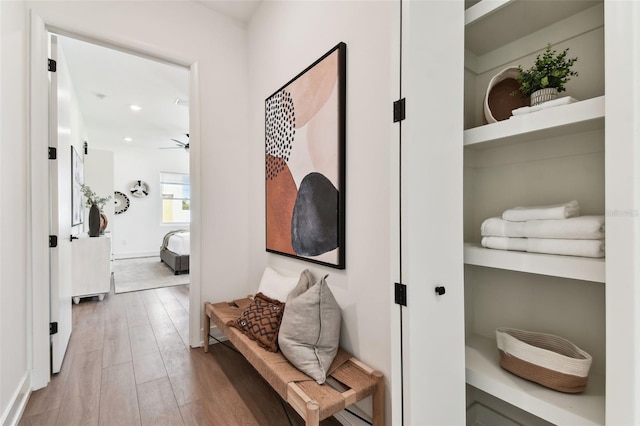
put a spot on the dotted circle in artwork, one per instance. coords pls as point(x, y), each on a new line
point(280, 123)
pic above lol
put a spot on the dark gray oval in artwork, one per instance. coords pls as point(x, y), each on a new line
point(314, 226)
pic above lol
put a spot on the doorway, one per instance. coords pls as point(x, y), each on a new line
point(39, 113)
point(132, 114)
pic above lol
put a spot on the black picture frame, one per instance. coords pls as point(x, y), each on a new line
point(305, 135)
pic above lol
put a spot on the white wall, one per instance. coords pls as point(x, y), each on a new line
point(98, 174)
point(228, 189)
point(14, 187)
point(138, 232)
point(285, 38)
point(71, 132)
point(215, 46)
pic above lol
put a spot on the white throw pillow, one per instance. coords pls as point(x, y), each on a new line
point(275, 285)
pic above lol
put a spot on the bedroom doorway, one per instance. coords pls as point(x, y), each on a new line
point(132, 115)
point(110, 34)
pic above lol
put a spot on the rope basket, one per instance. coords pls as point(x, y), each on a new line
point(546, 359)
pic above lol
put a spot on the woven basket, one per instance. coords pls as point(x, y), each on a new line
point(544, 358)
point(499, 101)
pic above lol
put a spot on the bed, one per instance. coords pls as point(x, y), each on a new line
point(174, 251)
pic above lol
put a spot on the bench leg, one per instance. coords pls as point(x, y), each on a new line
point(206, 326)
point(312, 414)
point(378, 400)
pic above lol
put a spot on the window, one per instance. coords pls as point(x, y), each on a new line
point(176, 197)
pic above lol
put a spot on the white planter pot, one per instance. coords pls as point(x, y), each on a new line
point(543, 95)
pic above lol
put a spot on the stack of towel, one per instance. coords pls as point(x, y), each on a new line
point(555, 229)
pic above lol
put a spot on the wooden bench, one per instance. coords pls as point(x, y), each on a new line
point(348, 381)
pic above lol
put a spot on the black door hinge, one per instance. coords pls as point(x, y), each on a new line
point(53, 328)
point(399, 110)
point(53, 66)
point(53, 241)
point(401, 294)
point(53, 153)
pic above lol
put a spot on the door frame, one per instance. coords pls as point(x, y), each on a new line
point(38, 293)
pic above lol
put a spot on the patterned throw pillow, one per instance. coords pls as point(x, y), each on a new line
point(261, 321)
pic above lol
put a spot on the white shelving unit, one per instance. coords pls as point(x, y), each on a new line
point(484, 372)
point(528, 27)
point(568, 152)
point(558, 121)
point(577, 268)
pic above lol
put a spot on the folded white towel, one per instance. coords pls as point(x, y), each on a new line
point(585, 248)
point(578, 228)
point(555, 211)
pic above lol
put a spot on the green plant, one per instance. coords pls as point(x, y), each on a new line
point(550, 70)
point(93, 198)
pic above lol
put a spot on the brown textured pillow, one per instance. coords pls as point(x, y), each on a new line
point(261, 321)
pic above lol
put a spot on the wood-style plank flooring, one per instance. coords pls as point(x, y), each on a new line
point(129, 363)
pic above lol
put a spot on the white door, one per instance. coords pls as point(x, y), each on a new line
point(60, 208)
point(431, 229)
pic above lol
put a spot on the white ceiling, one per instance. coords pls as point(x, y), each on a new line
point(107, 82)
point(242, 10)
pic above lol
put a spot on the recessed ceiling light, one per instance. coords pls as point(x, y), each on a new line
point(135, 107)
point(127, 139)
point(181, 102)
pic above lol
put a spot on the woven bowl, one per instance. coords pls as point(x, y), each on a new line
point(546, 359)
point(498, 100)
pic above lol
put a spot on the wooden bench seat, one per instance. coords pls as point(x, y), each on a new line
point(348, 381)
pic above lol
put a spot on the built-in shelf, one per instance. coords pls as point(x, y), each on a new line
point(483, 371)
point(482, 9)
point(574, 267)
point(490, 24)
point(558, 121)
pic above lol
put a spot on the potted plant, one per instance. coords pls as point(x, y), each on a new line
point(97, 219)
point(547, 77)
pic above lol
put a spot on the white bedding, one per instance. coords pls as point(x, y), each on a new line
point(179, 243)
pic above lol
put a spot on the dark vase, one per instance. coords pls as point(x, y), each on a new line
point(94, 221)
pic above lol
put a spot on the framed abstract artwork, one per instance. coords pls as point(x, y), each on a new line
point(77, 180)
point(305, 163)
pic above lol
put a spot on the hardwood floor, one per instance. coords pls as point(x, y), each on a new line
point(129, 363)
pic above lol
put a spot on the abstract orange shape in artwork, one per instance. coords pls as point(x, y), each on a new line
point(281, 194)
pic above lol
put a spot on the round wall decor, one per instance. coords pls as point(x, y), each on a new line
point(121, 201)
point(140, 189)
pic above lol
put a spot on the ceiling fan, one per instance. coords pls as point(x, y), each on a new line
point(179, 144)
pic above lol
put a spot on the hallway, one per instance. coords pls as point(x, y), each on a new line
point(129, 363)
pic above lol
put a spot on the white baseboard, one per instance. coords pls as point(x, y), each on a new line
point(13, 413)
point(215, 332)
point(119, 256)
